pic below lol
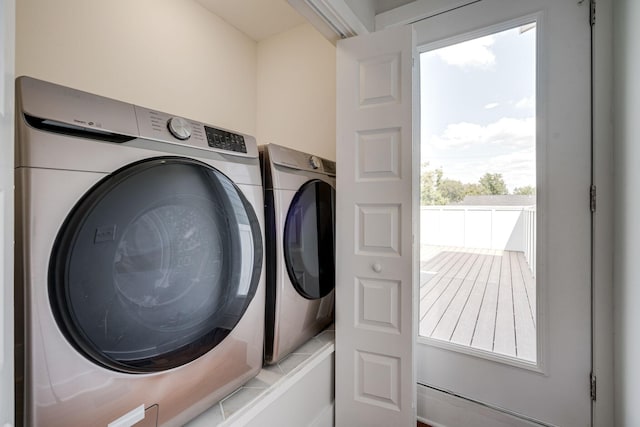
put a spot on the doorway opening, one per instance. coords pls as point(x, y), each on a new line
point(478, 191)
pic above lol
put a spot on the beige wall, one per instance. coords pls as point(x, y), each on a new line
point(177, 57)
point(297, 91)
point(170, 55)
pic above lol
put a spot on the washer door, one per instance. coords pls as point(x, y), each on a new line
point(155, 265)
point(309, 240)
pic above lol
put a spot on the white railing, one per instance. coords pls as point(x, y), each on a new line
point(529, 216)
point(510, 228)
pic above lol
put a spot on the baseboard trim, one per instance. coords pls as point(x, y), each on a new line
point(429, 422)
point(441, 409)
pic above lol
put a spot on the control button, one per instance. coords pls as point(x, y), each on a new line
point(179, 128)
point(223, 140)
point(314, 162)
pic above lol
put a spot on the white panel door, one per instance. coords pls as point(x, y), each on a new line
point(375, 334)
point(553, 387)
point(7, 40)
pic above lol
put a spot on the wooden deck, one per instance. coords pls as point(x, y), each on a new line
point(480, 298)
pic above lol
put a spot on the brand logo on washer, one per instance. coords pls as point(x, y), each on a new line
point(105, 233)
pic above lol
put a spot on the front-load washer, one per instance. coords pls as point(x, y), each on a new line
point(139, 261)
point(299, 191)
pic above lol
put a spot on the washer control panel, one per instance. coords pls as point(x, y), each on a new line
point(177, 130)
point(295, 159)
point(71, 111)
point(218, 138)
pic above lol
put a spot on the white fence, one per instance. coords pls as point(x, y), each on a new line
point(530, 229)
point(510, 228)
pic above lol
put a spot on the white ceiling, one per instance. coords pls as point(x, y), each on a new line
point(385, 5)
point(260, 19)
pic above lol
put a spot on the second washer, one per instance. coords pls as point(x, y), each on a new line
point(300, 247)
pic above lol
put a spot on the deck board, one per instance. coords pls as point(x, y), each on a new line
point(486, 323)
point(431, 268)
point(505, 338)
point(450, 318)
point(530, 286)
point(430, 258)
point(463, 333)
point(479, 297)
point(525, 331)
point(434, 288)
point(438, 301)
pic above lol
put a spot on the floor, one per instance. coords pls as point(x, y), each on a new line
point(268, 378)
point(480, 298)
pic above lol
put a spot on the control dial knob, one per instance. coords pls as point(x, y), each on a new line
point(314, 162)
point(179, 128)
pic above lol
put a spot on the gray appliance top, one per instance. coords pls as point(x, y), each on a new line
point(62, 108)
point(294, 159)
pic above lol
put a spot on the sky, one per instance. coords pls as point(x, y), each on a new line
point(478, 108)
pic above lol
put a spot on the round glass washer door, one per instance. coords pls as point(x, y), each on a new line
point(155, 265)
point(309, 239)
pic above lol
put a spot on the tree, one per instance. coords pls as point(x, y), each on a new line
point(452, 190)
point(429, 183)
point(437, 190)
point(494, 184)
point(527, 190)
point(474, 190)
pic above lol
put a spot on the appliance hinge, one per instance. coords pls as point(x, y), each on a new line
point(593, 386)
point(592, 195)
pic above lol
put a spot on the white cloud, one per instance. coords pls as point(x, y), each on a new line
point(506, 132)
point(517, 168)
point(526, 103)
point(466, 151)
point(473, 53)
point(491, 105)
